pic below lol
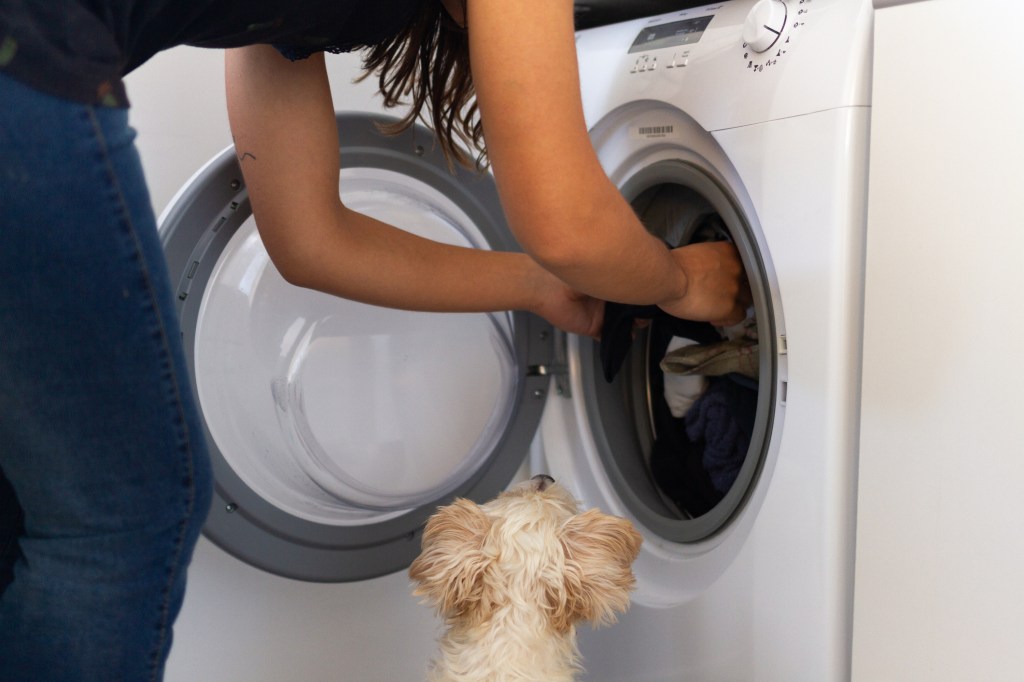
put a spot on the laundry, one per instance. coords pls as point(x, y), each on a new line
point(682, 390)
point(673, 213)
point(618, 330)
point(677, 466)
point(721, 423)
point(738, 356)
point(676, 463)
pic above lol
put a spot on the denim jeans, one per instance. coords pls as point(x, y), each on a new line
point(104, 476)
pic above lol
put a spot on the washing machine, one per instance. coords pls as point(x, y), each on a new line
point(746, 121)
point(336, 428)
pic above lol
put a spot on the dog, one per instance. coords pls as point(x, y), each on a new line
point(513, 577)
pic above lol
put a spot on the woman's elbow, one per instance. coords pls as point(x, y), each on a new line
point(296, 248)
point(294, 274)
point(568, 246)
point(293, 264)
point(558, 255)
point(562, 234)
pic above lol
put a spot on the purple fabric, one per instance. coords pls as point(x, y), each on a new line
point(722, 420)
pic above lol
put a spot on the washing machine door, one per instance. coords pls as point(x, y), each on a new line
point(337, 428)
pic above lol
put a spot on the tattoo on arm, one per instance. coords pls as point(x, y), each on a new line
point(243, 156)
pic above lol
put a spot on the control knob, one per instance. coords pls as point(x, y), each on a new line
point(764, 24)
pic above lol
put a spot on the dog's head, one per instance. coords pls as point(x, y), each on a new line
point(528, 548)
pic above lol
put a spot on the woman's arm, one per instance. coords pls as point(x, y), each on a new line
point(282, 120)
point(558, 200)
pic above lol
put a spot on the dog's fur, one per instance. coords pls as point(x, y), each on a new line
point(512, 578)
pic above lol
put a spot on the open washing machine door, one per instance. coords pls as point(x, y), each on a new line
point(688, 463)
point(337, 428)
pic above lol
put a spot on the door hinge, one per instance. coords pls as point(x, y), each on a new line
point(557, 368)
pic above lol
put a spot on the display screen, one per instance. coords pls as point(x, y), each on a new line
point(685, 32)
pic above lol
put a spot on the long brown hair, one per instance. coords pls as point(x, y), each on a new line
point(428, 62)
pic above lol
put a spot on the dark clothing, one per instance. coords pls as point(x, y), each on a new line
point(694, 460)
point(80, 49)
point(721, 424)
point(676, 463)
point(617, 332)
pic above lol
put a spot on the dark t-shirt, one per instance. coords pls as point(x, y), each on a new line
point(81, 49)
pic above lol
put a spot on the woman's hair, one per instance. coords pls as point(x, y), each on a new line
point(428, 62)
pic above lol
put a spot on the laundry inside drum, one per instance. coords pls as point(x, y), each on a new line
point(700, 382)
point(684, 408)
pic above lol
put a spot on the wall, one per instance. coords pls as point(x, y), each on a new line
point(939, 594)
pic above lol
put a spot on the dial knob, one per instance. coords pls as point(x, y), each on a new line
point(764, 24)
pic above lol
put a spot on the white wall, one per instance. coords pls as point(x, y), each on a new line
point(178, 108)
point(940, 558)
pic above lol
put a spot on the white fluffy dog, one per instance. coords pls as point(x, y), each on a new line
point(513, 577)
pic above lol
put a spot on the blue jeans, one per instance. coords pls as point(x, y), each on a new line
point(104, 476)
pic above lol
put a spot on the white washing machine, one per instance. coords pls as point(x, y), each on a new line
point(757, 114)
point(337, 428)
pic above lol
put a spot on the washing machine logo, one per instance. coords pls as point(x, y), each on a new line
point(648, 131)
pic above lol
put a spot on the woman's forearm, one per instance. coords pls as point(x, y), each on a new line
point(364, 259)
point(597, 244)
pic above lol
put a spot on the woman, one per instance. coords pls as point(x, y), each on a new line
point(105, 480)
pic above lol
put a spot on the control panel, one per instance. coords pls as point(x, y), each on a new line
point(667, 45)
point(732, 62)
point(769, 33)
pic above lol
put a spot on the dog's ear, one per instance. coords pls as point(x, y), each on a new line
point(599, 551)
point(449, 570)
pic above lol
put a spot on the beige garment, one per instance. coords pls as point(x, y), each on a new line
point(682, 390)
point(737, 356)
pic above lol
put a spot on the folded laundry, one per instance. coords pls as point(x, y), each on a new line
point(737, 356)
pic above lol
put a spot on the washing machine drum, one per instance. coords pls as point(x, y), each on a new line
point(336, 428)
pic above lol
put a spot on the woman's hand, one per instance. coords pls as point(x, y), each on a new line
point(568, 309)
point(717, 290)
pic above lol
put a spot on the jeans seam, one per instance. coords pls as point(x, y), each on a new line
point(129, 225)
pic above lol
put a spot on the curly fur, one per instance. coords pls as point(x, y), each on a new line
point(513, 577)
